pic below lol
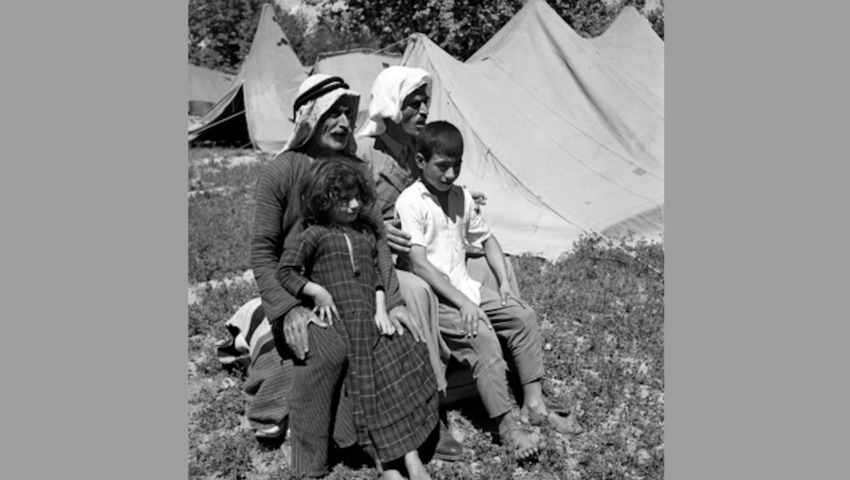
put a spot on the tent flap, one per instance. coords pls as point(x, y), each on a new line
point(268, 81)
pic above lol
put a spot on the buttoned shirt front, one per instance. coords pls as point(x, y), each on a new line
point(393, 166)
point(444, 236)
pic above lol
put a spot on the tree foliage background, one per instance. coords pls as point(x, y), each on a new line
point(460, 27)
point(221, 31)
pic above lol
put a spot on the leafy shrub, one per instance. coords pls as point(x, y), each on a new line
point(219, 405)
point(219, 236)
point(200, 154)
point(605, 312)
point(242, 177)
point(225, 457)
point(216, 305)
point(601, 313)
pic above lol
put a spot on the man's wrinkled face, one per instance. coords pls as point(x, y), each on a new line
point(414, 112)
point(334, 127)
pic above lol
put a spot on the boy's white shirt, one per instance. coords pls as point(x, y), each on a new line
point(444, 236)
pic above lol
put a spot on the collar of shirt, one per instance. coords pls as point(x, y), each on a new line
point(403, 153)
point(454, 196)
point(423, 190)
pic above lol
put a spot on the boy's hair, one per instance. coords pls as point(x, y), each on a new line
point(323, 184)
point(440, 138)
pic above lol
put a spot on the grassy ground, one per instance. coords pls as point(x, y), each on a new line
point(601, 314)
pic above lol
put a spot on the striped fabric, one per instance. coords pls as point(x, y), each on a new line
point(389, 382)
point(269, 377)
point(317, 382)
point(276, 218)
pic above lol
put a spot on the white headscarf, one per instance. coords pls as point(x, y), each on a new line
point(308, 115)
point(390, 89)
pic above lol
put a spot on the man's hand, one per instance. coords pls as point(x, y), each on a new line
point(479, 198)
point(398, 239)
point(295, 330)
point(399, 316)
point(470, 315)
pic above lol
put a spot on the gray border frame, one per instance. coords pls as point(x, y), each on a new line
point(95, 247)
point(753, 381)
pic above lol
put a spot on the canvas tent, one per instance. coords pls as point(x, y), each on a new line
point(555, 136)
point(358, 68)
point(206, 87)
point(258, 105)
point(633, 46)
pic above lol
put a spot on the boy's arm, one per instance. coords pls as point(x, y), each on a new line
point(470, 313)
point(409, 211)
point(496, 260)
point(477, 229)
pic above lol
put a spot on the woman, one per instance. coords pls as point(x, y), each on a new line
point(324, 119)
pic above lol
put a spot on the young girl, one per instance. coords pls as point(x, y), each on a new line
point(333, 265)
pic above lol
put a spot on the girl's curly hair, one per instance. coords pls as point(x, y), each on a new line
point(323, 185)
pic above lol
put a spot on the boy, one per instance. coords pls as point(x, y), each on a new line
point(440, 217)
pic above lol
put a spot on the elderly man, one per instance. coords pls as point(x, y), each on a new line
point(398, 110)
point(324, 113)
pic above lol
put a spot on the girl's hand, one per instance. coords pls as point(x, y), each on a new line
point(324, 305)
point(385, 326)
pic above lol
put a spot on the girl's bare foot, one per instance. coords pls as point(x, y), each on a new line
point(415, 468)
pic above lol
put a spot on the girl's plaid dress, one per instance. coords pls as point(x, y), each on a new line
point(391, 385)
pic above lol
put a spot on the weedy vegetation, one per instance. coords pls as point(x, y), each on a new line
point(601, 313)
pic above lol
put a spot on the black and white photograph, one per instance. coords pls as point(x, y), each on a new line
point(426, 239)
